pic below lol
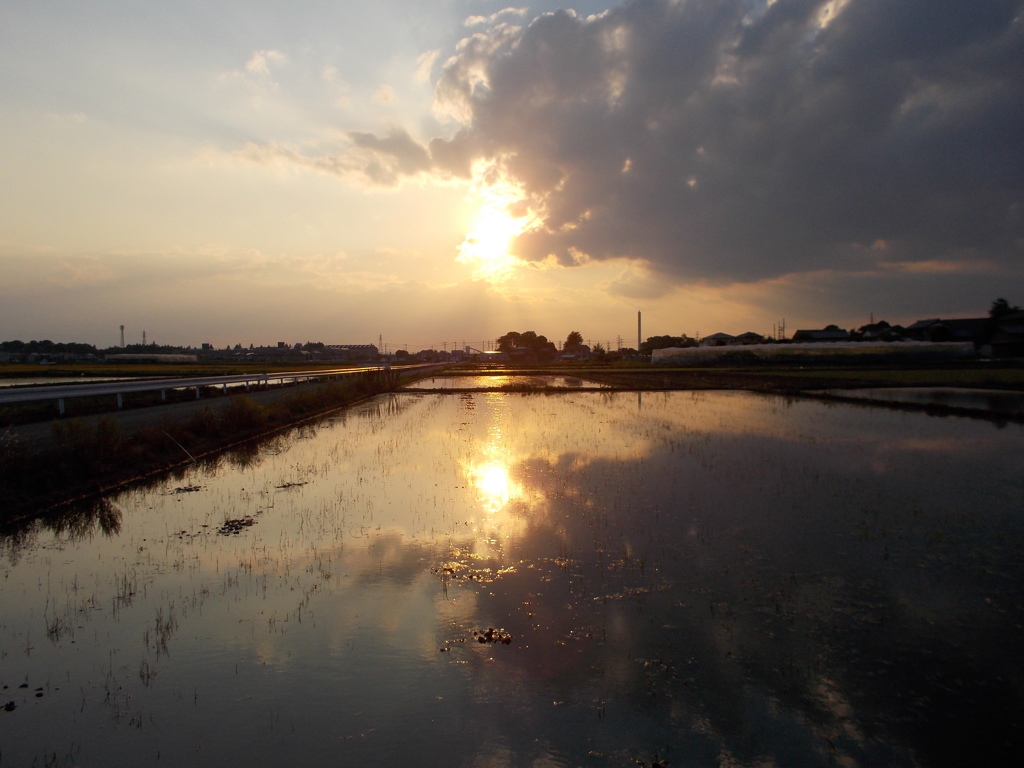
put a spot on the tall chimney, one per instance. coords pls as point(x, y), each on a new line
point(638, 332)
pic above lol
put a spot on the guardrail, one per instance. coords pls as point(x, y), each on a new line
point(62, 392)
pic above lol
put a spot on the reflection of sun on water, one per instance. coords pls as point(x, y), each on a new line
point(494, 483)
point(500, 498)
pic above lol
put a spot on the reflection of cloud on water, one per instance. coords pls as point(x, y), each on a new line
point(686, 574)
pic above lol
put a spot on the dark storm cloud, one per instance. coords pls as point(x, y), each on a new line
point(726, 140)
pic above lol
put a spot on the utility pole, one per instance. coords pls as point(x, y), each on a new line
point(122, 337)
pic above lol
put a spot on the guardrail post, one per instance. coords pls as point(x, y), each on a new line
point(120, 400)
point(163, 395)
point(60, 405)
point(197, 393)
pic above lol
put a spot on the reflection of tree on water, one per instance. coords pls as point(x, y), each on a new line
point(74, 522)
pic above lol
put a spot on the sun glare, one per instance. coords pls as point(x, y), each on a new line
point(494, 484)
point(486, 246)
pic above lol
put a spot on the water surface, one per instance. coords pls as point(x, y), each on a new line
point(517, 382)
point(499, 579)
point(979, 400)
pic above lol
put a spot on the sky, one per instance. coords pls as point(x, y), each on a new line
point(438, 172)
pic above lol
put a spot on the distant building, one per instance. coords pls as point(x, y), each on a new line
point(155, 358)
point(575, 352)
point(972, 329)
point(717, 340)
point(361, 352)
point(492, 356)
point(726, 340)
point(829, 333)
point(749, 338)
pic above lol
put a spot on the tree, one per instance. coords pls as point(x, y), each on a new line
point(574, 339)
point(1001, 308)
point(664, 342)
point(526, 344)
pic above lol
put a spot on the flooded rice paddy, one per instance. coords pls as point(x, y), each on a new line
point(977, 400)
point(504, 579)
point(518, 383)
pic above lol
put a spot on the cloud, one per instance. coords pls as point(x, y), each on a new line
point(260, 62)
point(256, 74)
point(720, 142)
point(425, 65)
point(495, 18)
point(636, 282)
point(384, 94)
point(337, 84)
point(379, 160)
point(729, 141)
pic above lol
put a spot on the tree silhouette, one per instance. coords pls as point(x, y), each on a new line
point(1001, 308)
point(528, 344)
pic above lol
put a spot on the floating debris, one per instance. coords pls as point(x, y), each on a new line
point(188, 489)
point(289, 485)
point(10, 706)
point(461, 572)
point(493, 635)
point(236, 525)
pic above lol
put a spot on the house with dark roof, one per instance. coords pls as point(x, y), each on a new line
point(749, 338)
point(717, 340)
point(828, 333)
point(973, 329)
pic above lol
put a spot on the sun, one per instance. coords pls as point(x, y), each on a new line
point(486, 245)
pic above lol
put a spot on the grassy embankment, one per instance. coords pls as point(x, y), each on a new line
point(85, 457)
